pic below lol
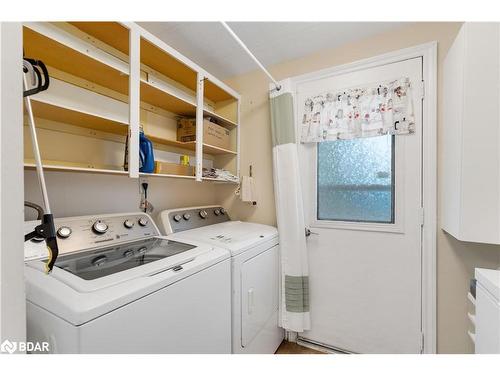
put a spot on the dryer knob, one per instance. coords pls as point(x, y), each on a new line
point(222, 211)
point(143, 221)
point(203, 214)
point(64, 232)
point(186, 216)
point(177, 218)
point(129, 224)
point(217, 212)
point(100, 227)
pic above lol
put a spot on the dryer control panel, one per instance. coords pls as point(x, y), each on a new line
point(181, 219)
point(87, 232)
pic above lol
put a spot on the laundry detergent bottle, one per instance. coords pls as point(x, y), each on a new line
point(146, 156)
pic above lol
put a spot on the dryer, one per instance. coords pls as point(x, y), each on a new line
point(254, 250)
point(120, 287)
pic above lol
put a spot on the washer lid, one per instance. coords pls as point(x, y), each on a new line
point(78, 300)
point(489, 280)
point(236, 236)
point(91, 265)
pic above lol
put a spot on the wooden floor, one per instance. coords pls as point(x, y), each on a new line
point(287, 347)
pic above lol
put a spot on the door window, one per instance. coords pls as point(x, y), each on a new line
point(355, 180)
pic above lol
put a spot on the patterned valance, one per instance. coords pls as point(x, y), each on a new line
point(359, 112)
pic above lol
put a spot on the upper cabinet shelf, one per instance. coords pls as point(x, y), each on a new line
point(158, 97)
point(156, 61)
point(105, 34)
point(65, 52)
point(96, 104)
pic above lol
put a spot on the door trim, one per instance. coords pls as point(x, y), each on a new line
point(428, 53)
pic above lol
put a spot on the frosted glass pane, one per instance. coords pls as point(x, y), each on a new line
point(356, 180)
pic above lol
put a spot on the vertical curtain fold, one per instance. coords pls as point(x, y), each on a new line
point(294, 306)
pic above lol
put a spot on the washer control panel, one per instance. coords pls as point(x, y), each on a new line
point(86, 232)
point(190, 218)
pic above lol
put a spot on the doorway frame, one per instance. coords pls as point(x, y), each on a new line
point(428, 53)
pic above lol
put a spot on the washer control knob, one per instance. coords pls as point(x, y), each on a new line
point(100, 227)
point(222, 211)
point(203, 214)
point(186, 216)
point(143, 221)
point(177, 218)
point(99, 261)
point(64, 232)
point(217, 212)
point(129, 224)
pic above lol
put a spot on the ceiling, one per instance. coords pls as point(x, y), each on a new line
point(210, 46)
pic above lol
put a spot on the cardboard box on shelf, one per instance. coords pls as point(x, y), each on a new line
point(163, 167)
point(213, 134)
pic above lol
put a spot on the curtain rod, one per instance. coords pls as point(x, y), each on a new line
point(245, 48)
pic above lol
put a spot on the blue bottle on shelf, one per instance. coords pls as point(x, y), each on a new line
point(146, 156)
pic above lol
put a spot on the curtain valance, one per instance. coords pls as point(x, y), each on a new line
point(359, 112)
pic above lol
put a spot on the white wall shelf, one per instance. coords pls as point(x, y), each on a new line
point(112, 78)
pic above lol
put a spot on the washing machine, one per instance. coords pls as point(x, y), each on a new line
point(254, 253)
point(118, 286)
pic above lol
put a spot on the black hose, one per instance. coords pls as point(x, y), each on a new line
point(36, 207)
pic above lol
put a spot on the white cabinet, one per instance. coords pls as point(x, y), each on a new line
point(471, 135)
point(487, 322)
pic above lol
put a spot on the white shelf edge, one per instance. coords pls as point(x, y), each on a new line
point(472, 336)
point(77, 169)
point(472, 318)
point(209, 112)
point(166, 175)
point(50, 97)
point(219, 180)
point(168, 89)
point(471, 298)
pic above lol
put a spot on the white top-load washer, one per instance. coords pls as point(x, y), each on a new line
point(120, 287)
point(255, 270)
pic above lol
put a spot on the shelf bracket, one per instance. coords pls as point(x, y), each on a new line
point(199, 126)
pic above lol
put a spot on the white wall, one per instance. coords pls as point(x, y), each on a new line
point(74, 194)
point(12, 299)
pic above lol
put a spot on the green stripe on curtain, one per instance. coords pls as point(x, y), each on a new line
point(297, 293)
point(282, 123)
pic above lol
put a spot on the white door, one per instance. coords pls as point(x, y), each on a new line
point(363, 200)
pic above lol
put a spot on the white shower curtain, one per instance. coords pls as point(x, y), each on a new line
point(294, 306)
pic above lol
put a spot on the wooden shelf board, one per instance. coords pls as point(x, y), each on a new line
point(162, 62)
point(111, 33)
point(65, 168)
point(72, 117)
point(167, 175)
point(215, 93)
point(167, 101)
point(174, 143)
point(66, 59)
point(214, 150)
point(207, 149)
point(222, 121)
